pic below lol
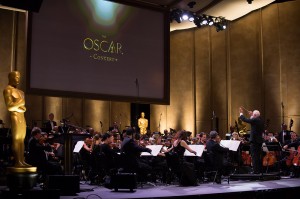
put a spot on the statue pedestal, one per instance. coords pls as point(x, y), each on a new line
point(21, 178)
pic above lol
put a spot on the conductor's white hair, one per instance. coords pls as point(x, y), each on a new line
point(256, 113)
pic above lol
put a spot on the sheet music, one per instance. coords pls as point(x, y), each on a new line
point(155, 150)
point(198, 148)
point(264, 147)
point(233, 145)
point(78, 146)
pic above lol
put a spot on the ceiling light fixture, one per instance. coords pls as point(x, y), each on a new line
point(199, 20)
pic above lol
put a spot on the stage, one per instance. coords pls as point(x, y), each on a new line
point(246, 189)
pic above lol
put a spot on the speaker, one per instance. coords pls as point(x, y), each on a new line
point(66, 184)
point(30, 5)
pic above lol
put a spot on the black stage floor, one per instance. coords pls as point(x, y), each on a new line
point(262, 188)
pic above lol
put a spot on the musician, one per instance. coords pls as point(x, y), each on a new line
point(216, 155)
point(131, 154)
point(269, 137)
point(37, 155)
point(50, 124)
point(103, 158)
point(235, 157)
point(256, 139)
point(293, 146)
point(284, 134)
point(175, 156)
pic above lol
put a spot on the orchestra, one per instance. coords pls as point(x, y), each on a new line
point(102, 154)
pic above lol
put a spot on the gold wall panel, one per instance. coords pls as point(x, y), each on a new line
point(181, 112)
point(271, 68)
point(289, 32)
point(203, 97)
point(53, 105)
point(34, 110)
point(72, 109)
point(94, 112)
point(245, 65)
point(219, 78)
point(158, 120)
point(120, 113)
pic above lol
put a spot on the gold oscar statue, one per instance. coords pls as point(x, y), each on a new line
point(143, 124)
point(15, 103)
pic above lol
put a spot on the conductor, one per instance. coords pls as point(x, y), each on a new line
point(256, 137)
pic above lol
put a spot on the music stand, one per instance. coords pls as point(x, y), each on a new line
point(273, 146)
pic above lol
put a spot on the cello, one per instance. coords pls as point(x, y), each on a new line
point(269, 159)
point(296, 159)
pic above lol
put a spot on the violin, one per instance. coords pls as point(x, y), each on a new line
point(269, 159)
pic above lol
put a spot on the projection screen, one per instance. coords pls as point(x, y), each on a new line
point(100, 50)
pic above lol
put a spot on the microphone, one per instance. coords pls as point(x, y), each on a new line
point(101, 123)
point(213, 114)
point(282, 105)
point(136, 81)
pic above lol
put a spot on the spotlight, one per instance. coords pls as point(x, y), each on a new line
point(210, 21)
point(220, 24)
point(176, 15)
point(249, 1)
point(191, 17)
point(197, 21)
point(203, 20)
point(185, 16)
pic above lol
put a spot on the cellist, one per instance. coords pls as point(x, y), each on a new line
point(293, 145)
point(270, 158)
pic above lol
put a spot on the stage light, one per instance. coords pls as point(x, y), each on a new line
point(204, 20)
point(220, 24)
point(191, 17)
point(185, 16)
point(210, 21)
point(176, 15)
point(197, 22)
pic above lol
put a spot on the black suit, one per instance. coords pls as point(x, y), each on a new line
point(48, 126)
point(131, 161)
point(216, 157)
point(284, 136)
point(256, 140)
point(37, 157)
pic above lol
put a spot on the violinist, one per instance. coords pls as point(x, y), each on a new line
point(131, 152)
point(200, 164)
point(235, 157)
point(202, 139)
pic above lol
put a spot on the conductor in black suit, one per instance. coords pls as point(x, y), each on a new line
point(50, 124)
point(256, 138)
